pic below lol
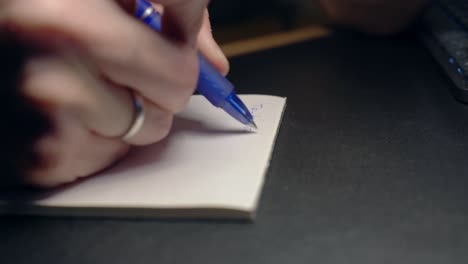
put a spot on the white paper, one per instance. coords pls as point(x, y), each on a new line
point(209, 161)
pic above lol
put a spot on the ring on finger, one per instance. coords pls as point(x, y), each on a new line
point(138, 120)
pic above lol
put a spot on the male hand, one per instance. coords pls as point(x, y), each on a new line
point(94, 56)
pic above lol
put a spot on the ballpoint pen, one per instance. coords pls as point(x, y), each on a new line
point(211, 84)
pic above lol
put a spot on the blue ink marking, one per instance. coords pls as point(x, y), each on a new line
point(255, 109)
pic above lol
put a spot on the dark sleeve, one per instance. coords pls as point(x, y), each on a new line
point(21, 121)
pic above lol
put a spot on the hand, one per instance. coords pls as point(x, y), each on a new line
point(93, 56)
point(374, 16)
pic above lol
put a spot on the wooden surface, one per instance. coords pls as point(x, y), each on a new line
point(243, 47)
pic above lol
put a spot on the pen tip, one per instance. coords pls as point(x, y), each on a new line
point(252, 125)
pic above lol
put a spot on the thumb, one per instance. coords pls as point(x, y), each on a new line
point(210, 49)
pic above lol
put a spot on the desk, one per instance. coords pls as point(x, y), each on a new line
point(370, 166)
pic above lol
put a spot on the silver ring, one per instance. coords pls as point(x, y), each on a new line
point(139, 118)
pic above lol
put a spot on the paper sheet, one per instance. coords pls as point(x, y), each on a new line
point(209, 166)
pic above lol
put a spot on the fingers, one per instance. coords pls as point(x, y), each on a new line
point(72, 152)
point(57, 82)
point(208, 46)
point(91, 109)
point(160, 67)
point(205, 42)
point(156, 126)
point(77, 111)
point(89, 117)
point(103, 108)
point(375, 17)
point(124, 49)
point(182, 19)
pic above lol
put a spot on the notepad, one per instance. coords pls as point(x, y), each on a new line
point(209, 166)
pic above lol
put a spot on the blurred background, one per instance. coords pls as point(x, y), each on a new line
point(235, 20)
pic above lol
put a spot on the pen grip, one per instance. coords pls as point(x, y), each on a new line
point(212, 84)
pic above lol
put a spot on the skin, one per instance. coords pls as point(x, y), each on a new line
point(103, 55)
point(102, 59)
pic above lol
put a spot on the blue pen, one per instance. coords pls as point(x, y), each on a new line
point(211, 84)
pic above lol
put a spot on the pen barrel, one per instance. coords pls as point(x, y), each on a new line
point(212, 84)
point(152, 19)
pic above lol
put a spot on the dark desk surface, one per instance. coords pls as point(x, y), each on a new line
point(370, 166)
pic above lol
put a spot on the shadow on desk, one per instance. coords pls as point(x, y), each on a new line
point(370, 167)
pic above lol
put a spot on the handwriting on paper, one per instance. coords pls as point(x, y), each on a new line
point(256, 109)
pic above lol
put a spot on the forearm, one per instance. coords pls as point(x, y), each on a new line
point(373, 16)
